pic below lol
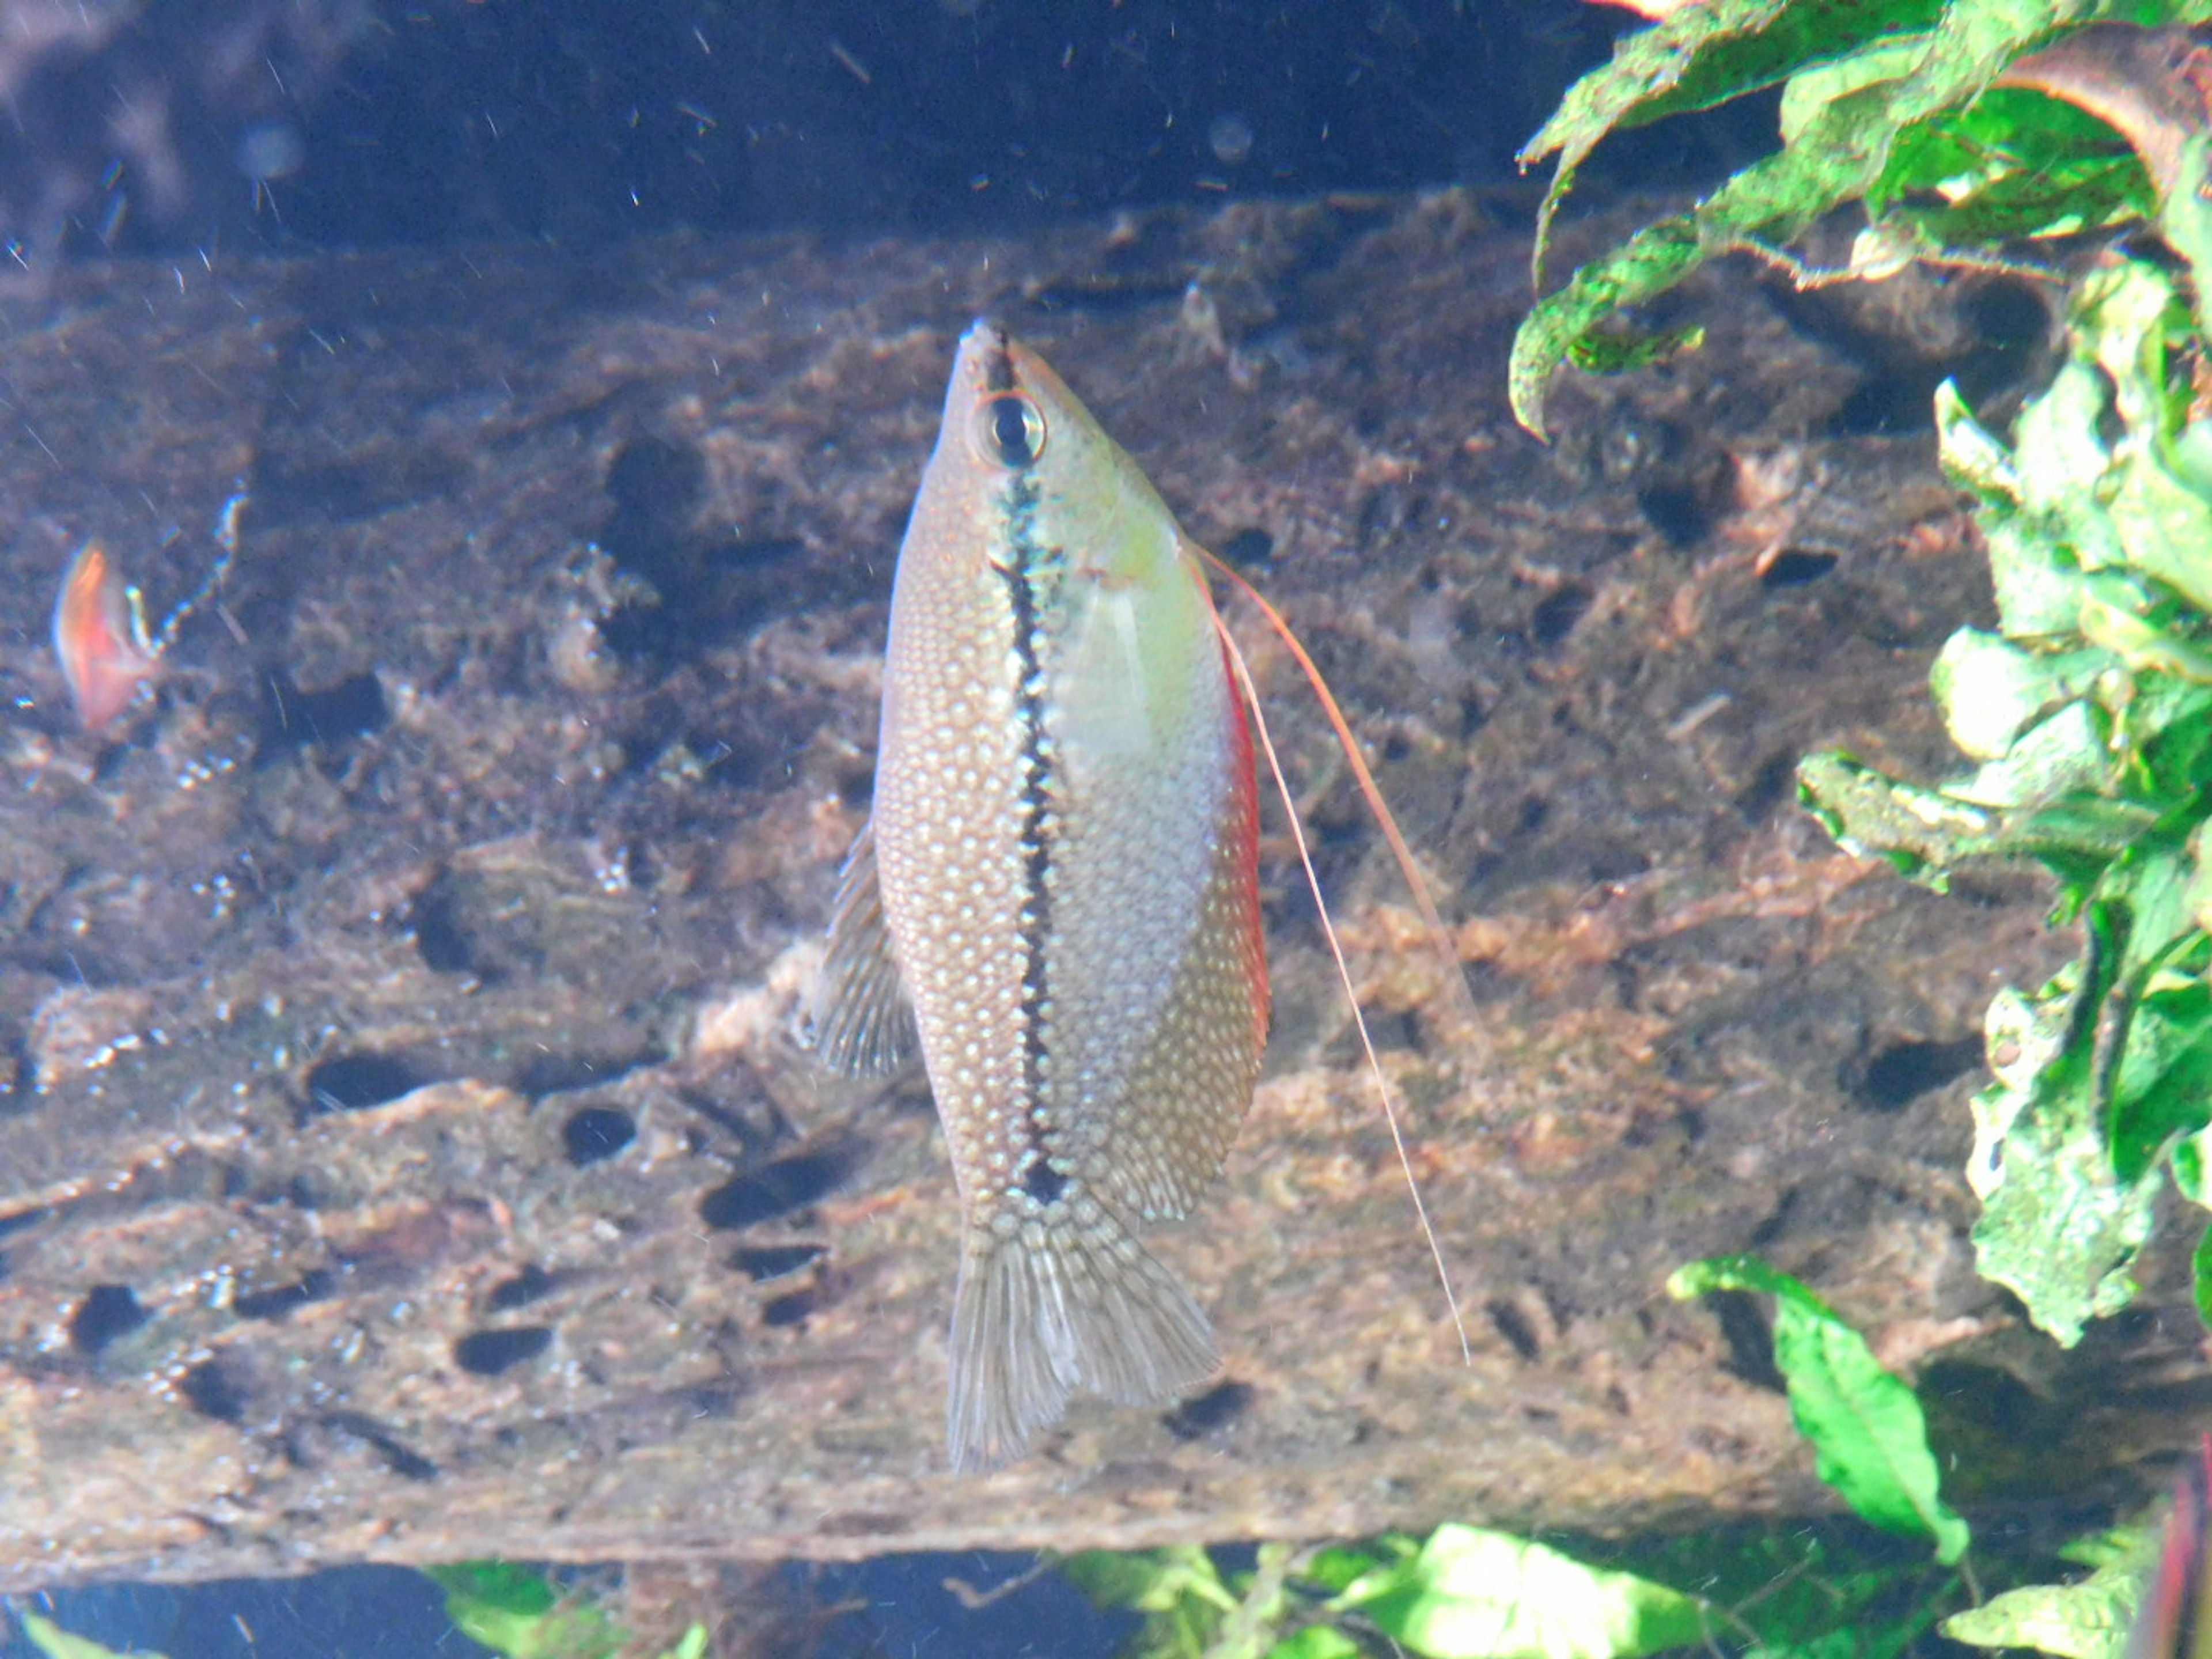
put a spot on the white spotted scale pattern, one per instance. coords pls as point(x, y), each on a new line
point(1061, 875)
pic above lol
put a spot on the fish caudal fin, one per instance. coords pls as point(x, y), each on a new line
point(1060, 1301)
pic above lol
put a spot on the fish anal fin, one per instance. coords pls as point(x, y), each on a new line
point(863, 1023)
point(1063, 1300)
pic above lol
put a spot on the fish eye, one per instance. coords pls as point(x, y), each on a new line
point(1009, 429)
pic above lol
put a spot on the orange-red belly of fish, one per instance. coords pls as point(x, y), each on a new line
point(1060, 877)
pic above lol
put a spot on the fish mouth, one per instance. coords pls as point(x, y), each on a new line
point(986, 359)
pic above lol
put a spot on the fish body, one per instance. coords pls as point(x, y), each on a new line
point(1059, 881)
point(99, 635)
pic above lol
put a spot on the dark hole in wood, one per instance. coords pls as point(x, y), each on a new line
point(526, 1287)
point(596, 1132)
point(552, 1074)
point(292, 718)
point(1751, 1343)
point(775, 1189)
point(1202, 1414)
point(1248, 547)
point(488, 1353)
point(312, 1286)
point(1557, 613)
point(348, 1083)
point(1903, 1072)
point(435, 921)
point(793, 1309)
point(774, 1261)
point(1676, 512)
point(1509, 1322)
point(214, 1389)
point(108, 1312)
point(400, 1460)
point(1793, 567)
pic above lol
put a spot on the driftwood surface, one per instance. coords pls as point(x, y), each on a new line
point(405, 1149)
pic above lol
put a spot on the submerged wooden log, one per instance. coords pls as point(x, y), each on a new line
point(404, 1153)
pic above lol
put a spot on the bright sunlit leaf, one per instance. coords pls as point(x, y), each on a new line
point(1869, 1435)
point(1474, 1593)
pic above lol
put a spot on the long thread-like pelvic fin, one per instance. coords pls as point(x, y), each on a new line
point(1439, 937)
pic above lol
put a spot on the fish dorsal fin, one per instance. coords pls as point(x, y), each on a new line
point(863, 1023)
point(1440, 937)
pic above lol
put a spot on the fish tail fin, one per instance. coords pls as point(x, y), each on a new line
point(1058, 1303)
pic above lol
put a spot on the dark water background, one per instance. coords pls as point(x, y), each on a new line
point(293, 125)
point(393, 1613)
point(163, 127)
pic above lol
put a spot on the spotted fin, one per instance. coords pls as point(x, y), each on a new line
point(1066, 1300)
point(863, 1022)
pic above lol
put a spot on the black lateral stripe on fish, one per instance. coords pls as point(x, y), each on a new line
point(1038, 1178)
point(1062, 867)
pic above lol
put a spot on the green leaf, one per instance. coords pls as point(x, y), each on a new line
point(1801, 1591)
point(1333, 1568)
point(2200, 1268)
point(518, 1611)
point(2185, 219)
point(1616, 353)
point(2084, 1621)
point(1474, 1593)
point(1869, 1437)
point(1812, 90)
point(2067, 751)
point(1316, 1641)
point(1921, 832)
point(2014, 164)
point(2130, 1543)
point(1649, 263)
point(1191, 1612)
point(1149, 1581)
point(55, 1642)
point(1990, 689)
point(1842, 126)
point(2058, 1226)
point(1701, 56)
point(2037, 574)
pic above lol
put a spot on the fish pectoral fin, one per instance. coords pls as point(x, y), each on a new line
point(862, 1021)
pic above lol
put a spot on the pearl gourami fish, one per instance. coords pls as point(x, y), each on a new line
point(1056, 895)
point(99, 638)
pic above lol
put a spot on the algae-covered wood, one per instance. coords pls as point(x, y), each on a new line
point(405, 1149)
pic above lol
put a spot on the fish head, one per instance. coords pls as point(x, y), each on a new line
point(1025, 490)
point(1013, 432)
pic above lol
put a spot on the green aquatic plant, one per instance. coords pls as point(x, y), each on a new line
point(520, 1613)
point(1472, 1593)
point(1462, 1593)
point(1962, 128)
point(1966, 131)
point(2089, 1619)
point(2088, 716)
point(55, 1642)
point(1866, 1427)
